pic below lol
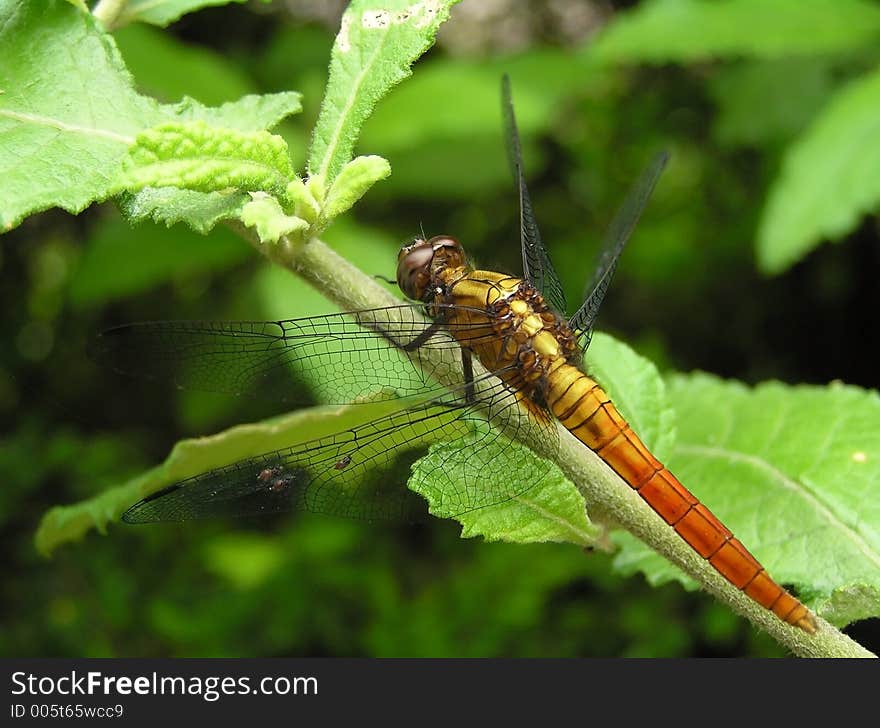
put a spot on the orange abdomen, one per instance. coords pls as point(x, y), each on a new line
point(587, 412)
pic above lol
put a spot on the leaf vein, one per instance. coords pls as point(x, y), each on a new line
point(63, 126)
point(789, 483)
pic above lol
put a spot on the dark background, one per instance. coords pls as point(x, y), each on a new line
point(688, 295)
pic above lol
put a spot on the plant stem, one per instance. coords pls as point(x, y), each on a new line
point(605, 493)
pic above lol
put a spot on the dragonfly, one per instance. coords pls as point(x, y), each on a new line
point(466, 360)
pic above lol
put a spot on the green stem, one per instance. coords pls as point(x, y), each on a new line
point(606, 494)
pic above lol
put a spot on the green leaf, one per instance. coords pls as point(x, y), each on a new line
point(251, 113)
point(791, 470)
point(302, 198)
point(637, 390)
point(170, 205)
point(829, 179)
point(377, 43)
point(552, 510)
point(264, 214)
point(202, 210)
point(665, 31)
point(352, 183)
point(163, 12)
point(66, 119)
point(63, 524)
point(205, 158)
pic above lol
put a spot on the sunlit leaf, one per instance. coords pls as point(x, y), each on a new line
point(169, 205)
point(301, 196)
point(829, 178)
point(377, 43)
point(251, 113)
point(792, 472)
point(637, 390)
point(196, 156)
point(551, 509)
point(352, 183)
point(264, 214)
point(66, 119)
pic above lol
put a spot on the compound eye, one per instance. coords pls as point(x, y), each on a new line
point(444, 241)
point(414, 268)
point(449, 248)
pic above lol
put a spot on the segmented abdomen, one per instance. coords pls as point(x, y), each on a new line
point(587, 412)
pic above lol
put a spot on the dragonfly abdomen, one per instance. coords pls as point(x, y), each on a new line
point(588, 413)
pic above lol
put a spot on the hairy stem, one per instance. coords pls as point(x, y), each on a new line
point(604, 491)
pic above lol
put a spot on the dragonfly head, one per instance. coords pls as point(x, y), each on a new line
point(418, 262)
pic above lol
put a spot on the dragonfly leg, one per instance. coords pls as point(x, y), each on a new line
point(422, 337)
point(467, 370)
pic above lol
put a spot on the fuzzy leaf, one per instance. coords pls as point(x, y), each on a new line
point(792, 472)
point(352, 183)
point(251, 113)
point(665, 31)
point(302, 199)
point(66, 119)
point(170, 205)
point(202, 210)
point(551, 510)
point(637, 390)
point(377, 43)
point(830, 178)
point(204, 158)
point(264, 214)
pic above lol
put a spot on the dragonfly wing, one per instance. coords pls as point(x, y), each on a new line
point(537, 268)
point(330, 359)
point(621, 228)
point(360, 472)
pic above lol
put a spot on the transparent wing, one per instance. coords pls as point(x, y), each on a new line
point(361, 472)
point(537, 268)
point(330, 359)
point(615, 239)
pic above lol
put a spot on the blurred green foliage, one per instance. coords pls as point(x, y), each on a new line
point(687, 295)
